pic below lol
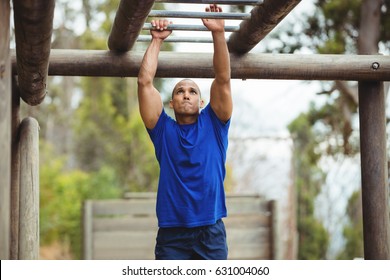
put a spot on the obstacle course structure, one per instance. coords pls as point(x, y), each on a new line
point(33, 60)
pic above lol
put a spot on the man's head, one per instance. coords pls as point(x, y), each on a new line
point(186, 99)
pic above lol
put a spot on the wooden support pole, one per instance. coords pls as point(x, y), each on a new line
point(128, 23)
point(375, 193)
point(15, 172)
point(29, 190)
point(264, 18)
point(199, 65)
point(274, 230)
point(33, 30)
point(5, 129)
point(87, 230)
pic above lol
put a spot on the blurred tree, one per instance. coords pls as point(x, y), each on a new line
point(353, 230)
point(335, 27)
point(62, 193)
point(313, 238)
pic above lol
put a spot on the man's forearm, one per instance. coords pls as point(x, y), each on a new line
point(149, 62)
point(221, 58)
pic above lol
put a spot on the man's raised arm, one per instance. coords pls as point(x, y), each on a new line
point(149, 99)
point(220, 92)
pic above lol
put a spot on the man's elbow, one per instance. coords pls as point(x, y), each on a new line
point(223, 78)
point(143, 82)
point(223, 82)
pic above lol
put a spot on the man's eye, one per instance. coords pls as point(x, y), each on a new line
point(180, 92)
point(193, 92)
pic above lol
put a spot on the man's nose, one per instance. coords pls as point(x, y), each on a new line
point(186, 95)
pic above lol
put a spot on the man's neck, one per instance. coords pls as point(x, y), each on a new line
point(186, 119)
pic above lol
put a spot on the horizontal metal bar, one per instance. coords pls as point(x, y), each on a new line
point(222, 2)
point(191, 27)
point(177, 39)
point(199, 65)
point(210, 15)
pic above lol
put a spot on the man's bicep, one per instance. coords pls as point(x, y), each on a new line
point(221, 100)
point(150, 105)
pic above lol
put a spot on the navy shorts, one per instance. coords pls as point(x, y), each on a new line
point(197, 243)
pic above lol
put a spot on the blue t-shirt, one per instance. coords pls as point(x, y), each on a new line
point(192, 170)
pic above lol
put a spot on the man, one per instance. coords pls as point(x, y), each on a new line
point(191, 151)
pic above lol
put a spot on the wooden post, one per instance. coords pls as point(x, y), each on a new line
point(264, 18)
point(33, 29)
point(128, 23)
point(5, 129)
point(274, 230)
point(29, 190)
point(375, 194)
point(87, 230)
point(15, 172)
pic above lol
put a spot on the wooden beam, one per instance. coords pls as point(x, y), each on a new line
point(199, 65)
point(29, 190)
point(375, 194)
point(33, 30)
point(15, 172)
point(264, 18)
point(128, 23)
point(5, 129)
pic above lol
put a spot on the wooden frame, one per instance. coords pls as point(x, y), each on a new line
point(33, 19)
point(199, 65)
point(5, 129)
point(127, 228)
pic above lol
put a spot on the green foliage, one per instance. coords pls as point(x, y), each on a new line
point(110, 131)
point(333, 28)
point(353, 231)
point(62, 194)
point(313, 238)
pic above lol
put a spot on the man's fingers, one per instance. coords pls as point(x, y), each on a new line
point(213, 8)
point(160, 24)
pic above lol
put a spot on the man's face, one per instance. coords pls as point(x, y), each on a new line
point(186, 99)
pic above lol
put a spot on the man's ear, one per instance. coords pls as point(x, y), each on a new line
point(201, 105)
point(171, 104)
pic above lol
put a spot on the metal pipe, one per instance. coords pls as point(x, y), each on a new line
point(209, 15)
point(176, 39)
point(221, 2)
point(190, 27)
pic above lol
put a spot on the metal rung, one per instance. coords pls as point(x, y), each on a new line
point(176, 39)
point(183, 27)
point(214, 15)
point(222, 2)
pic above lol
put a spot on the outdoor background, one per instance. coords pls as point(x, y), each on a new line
point(296, 138)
